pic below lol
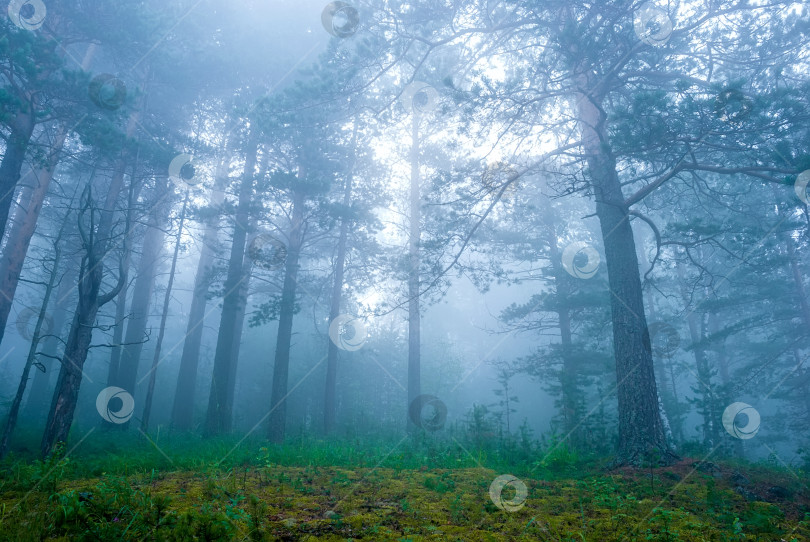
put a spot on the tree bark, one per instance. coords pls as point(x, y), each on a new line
point(219, 417)
point(641, 431)
point(281, 366)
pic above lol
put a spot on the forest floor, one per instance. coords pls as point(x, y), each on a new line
point(265, 500)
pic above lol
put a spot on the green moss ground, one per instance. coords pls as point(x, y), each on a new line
point(280, 502)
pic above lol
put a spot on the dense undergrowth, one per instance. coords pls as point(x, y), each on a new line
point(184, 488)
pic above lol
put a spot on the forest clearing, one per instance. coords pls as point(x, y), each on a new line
point(405, 270)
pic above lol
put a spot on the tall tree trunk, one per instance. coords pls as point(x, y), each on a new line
point(414, 316)
point(568, 376)
point(22, 127)
point(22, 230)
point(238, 327)
point(219, 417)
point(147, 408)
point(151, 251)
point(97, 242)
point(11, 420)
point(329, 397)
point(641, 431)
point(184, 397)
point(281, 366)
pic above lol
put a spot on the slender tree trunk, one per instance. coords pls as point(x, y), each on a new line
point(11, 421)
point(147, 408)
point(118, 329)
point(184, 397)
point(281, 366)
point(414, 264)
point(219, 418)
point(330, 408)
point(37, 402)
point(127, 374)
point(238, 327)
point(641, 431)
point(697, 333)
point(568, 376)
point(121, 299)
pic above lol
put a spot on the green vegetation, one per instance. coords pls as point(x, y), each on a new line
point(412, 490)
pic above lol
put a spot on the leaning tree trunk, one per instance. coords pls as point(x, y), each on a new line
point(281, 366)
point(219, 416)
point(414, 263)
point(150, 391)
point(96, 241)
point(184, 396)
point(641, 431)
point(19, 239)
point(22, 127)
point(11, 420)
point(330, 408)
point(127, 371)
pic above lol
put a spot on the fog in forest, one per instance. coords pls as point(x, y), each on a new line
point(394, 270)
